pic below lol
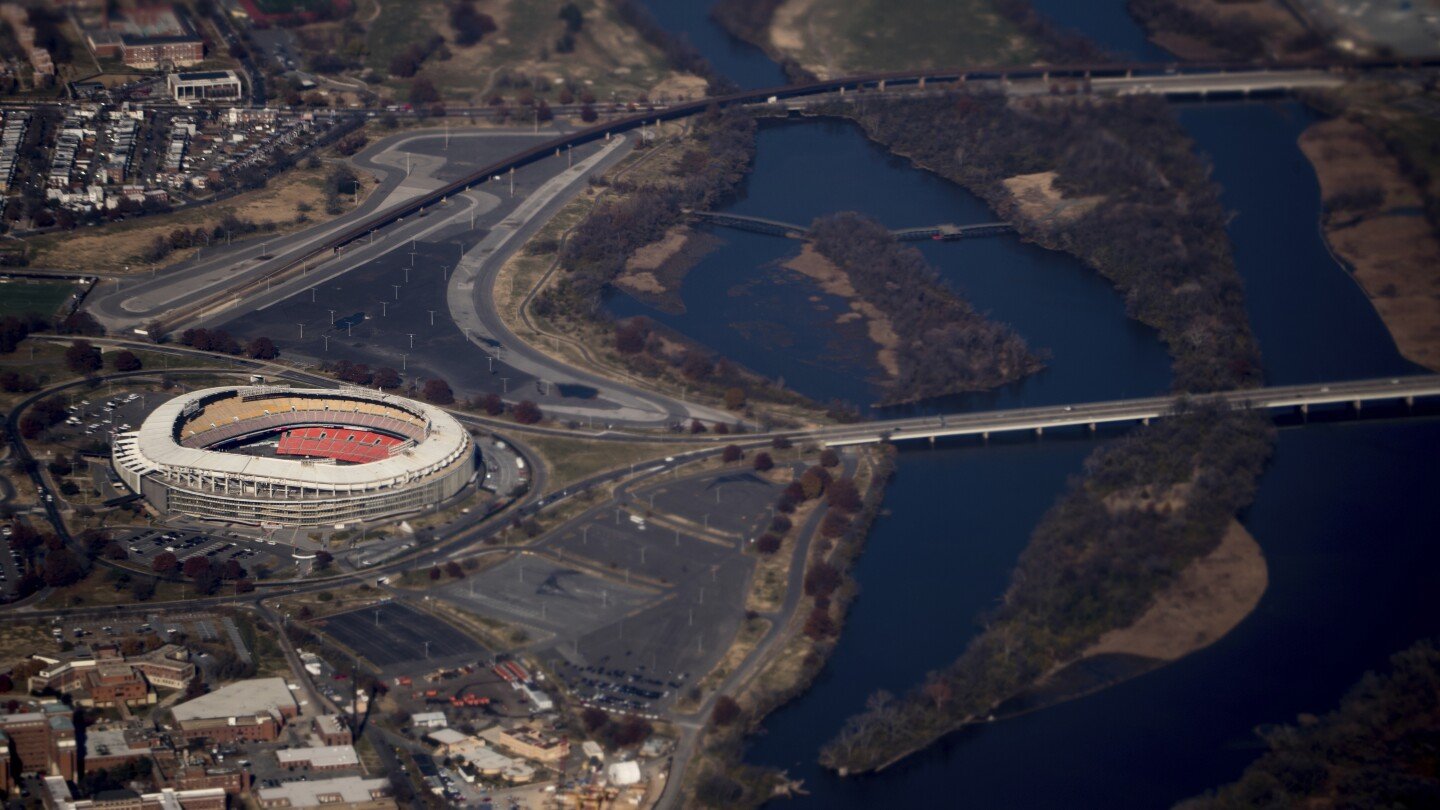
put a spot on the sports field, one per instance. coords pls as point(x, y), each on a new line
point(19, 296)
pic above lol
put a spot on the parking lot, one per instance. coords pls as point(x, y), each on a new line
point(392, 634)
point(641, 597)
point(96, 415)
point(256, 556)
point(547, 596)
point(205, 628)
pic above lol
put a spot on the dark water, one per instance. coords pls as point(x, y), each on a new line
point(1345, 512)
point(1346, 519)
point(808, 168)
point(1311, 318)
point(737, 60)
point(1107, 24)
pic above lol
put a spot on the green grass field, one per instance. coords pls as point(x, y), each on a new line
point(19, 296)
point(868, 35)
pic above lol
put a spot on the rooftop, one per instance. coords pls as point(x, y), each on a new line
point(326, 791)
point(448, 736)
point(252, 697)
point(321, 756)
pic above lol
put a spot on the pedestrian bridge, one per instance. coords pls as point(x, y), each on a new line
point(774, 227)
point(1294, 398)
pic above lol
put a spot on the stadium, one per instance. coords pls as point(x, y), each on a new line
point(294, 456)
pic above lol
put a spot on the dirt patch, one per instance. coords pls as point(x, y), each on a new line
point(655, 254)
point(1209, 598)
point(833, 280)
point(655, 272)
point(1038, 200)
point(1389, 246)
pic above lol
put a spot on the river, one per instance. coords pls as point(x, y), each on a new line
point(1344, 512)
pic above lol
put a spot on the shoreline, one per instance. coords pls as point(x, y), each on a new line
point(1369, 225)
point(1226, 584)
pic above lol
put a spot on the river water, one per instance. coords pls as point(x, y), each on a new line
point(1344, 512)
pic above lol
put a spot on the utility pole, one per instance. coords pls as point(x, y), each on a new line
point(432, 317)
point(411, 335)
point(332, 317)
point(302, 331)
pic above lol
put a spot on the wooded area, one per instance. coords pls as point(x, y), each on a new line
point(596, 251)
point(1157, 230)
point(1147, 506)
point(944, 346)
point(1379, 749)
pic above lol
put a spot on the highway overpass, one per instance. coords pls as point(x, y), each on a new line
point(1091, 415)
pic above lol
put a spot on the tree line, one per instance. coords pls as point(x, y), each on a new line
point(945, 346)
point(596, 251)
point(1158, 231)
point(1378, 749)
point(1148, 505)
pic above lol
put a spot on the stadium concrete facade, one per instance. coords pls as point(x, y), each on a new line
point(294, 456)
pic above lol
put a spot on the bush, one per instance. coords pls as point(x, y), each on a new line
point(726, 711)
point(437, 391)
point(763, 462)
point(768, 544)
point(125, 360)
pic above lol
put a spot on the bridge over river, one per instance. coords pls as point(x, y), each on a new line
point(775, 227)
point(1292, 398)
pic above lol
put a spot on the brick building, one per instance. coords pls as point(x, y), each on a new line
point(330, 729)
point(102, 677)
point(253, 710)
point(40, 739)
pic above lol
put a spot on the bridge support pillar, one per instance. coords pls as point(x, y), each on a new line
point(1358, 404)
point(922, 83)
point(881, 86)
point(985, 437)
point(1145, 421)
point(1093, 427)
point(1409, 402)
point(1039, 431)
point(932, 442)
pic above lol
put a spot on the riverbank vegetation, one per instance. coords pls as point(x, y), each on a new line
point(1378, 749)
point(937, 343)
point(1148, 505)
point(1113, 182)
point(643, 215)
point(1226, 29)
point(718, 776)
point(712, 164)
point(827, 38)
